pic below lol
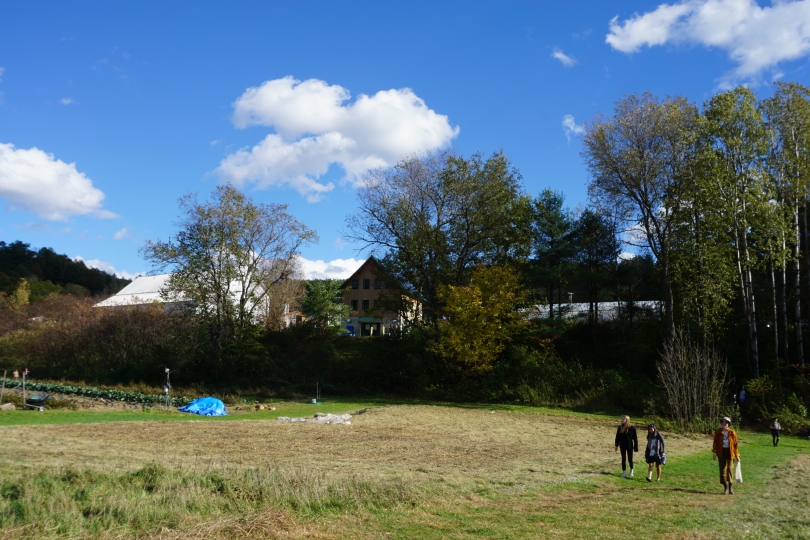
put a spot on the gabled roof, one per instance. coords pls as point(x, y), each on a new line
point(356, 272)
point(142, 290)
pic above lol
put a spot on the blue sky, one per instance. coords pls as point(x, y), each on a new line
point(109, 112)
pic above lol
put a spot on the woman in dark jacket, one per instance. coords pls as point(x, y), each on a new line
point(627, 440)
point(656, 450)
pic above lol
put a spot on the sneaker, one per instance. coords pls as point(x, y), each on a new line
point(624, 474)
point(649, 479)
point(631, 473)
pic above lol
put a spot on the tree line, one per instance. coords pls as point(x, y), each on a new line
point(48, 273)
point(702, 209)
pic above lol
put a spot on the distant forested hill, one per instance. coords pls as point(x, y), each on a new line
point(43, 266)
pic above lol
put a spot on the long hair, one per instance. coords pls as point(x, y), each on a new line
point(653, 434)
point(626, 426)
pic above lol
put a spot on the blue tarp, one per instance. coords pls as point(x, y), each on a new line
point(205, 406)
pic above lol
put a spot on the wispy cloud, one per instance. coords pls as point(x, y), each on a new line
point(116, 60)
point(570, 127)
point(565, 59)
point(104, 266)
point(121, 234)
point(2, 70)
point(67, 101)
point(582, 35)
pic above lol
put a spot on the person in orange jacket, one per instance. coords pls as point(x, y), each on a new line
point(725, 450)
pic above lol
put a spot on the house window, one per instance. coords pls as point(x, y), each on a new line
point(354, 305)
point(377, 283)
point(375, 304)
point(365, 304)
point(366, 283)
point(355, 283)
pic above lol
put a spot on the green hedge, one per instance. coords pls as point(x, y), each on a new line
point(93, 392)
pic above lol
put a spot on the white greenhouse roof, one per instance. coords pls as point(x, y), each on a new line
point(607, 310)
point(142, 290)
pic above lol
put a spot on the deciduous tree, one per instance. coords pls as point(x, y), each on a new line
point(436, 216)
point(737, 134)
point(227, 256)
point(636, 159)
point(479, 319)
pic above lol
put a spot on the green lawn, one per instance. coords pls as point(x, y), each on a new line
point(62, 416)
point(773, 502)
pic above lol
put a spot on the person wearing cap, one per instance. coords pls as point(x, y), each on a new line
point(725, 451)
point(627, 440)
point(656, 450)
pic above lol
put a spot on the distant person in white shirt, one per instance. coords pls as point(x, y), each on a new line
point(776, 427)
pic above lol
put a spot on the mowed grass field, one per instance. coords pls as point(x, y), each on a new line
point(398, 471)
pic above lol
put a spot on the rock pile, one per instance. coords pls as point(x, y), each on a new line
point(320, 418)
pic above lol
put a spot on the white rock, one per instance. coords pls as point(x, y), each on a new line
point(320, 418)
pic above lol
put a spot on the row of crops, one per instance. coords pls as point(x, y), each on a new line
point(98, 393)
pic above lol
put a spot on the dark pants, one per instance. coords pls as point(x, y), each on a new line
point(726, 466)
point(627, 455)
point(775, 435)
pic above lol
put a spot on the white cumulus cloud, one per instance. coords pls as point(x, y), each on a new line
point(570, 127)
point(756, 38)
point(565, 59)
point(121, 234)
point(37, 182)
point(335, 269)
point(104, 266)
point(315, 128)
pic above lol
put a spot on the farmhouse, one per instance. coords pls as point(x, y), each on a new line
point(370, 300)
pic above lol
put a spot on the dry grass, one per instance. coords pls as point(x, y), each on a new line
point(404, 441)
point(398, 472)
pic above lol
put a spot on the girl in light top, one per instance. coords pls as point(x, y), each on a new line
point(725, 451)
point(656, 450)
point(627, 440)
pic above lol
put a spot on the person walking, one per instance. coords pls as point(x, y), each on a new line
point(725, 451)
point(776, 427)
point(16, 375)
point(627, 441)
point(655, 452)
